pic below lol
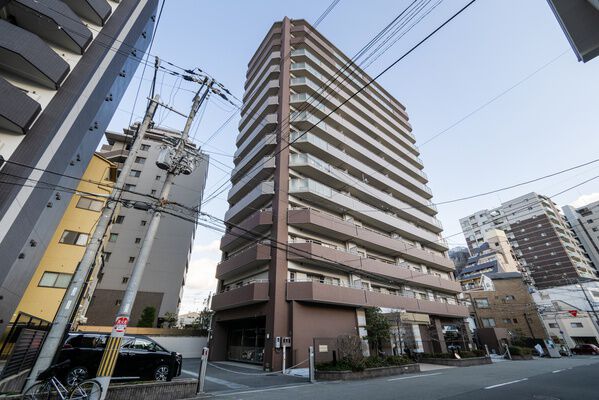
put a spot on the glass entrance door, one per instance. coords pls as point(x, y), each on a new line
point(246, 344)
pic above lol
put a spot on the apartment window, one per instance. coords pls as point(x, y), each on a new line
point(55, 280)
point(515, 320)
point(590, 221)
point(153, 192)
point(595, 293)
point(107, 256)
point(507, 321)
point(118, 302)
point(509, 297)
point(119, 219)
point(131, 259)
point(140, 160)
point(113, 237)
point(481, 303)
point(553, 325)
point(576, 324)
point(488, 322)
point(143, 223)
point(90, 204)
point(137, 240)
point(145, 147)
point(75, 238)
point(595, 229)
point(157, 177)
point(129, 186)
point(125, 279)
point(423, 296)
point(135, 173)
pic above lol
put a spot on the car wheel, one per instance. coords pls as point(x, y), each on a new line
point(76, 375)
point(162, 373)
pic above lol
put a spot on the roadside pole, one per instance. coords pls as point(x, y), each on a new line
point(69, 303)
point(311, 364)
point(202, 372)
point(113, 344)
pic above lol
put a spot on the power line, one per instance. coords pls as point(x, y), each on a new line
point(493, 99)
point(368, 83)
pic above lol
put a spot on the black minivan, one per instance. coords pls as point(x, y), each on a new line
point(140, 358)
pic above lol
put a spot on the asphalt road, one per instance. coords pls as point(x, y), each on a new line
point(575, 378)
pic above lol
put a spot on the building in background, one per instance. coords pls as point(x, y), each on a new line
point(64, 67)
point(459, 256)
point(566, 323)
point(53, 274)
point(584, 222)
point(164, 277)
point(539, 235)
point(503, 310)
point(494, 255)
point(339, 212)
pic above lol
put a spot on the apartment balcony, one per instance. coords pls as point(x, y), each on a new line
point(393, 136)
point(304, 121)
point(258, 223)
point(317, 292)
point(354, 157)
point(265, 146)
point(379, 143)
point(243, 261)
point(313, 191)
point(253, 201)
point(268, 72)
point(268, 123)
point(261, 171)
point(253, 71)
point(268, 91)
point(324, 256)
point(390, 116)
point(252, 293)
point(336, 178)
point(263, 116)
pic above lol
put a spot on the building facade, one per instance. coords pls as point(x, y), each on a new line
point(584, 222)
point(325, 218)
point(164, 277)
point(52, 276)
point(494, 255)
point(567, 324)
point(64, 67)
point(506, 303)
point(539, 235)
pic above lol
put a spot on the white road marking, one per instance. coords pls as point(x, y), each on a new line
point(506, 383)
point(556, 371)
point(414, 376)
point(261, 390)
point(230, 385)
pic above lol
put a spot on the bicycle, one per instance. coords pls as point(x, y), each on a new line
point(51, 388)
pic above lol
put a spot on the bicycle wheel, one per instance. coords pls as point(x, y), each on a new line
point(41, 391)
point(87, 390)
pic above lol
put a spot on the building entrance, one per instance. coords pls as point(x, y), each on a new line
point(246, 341)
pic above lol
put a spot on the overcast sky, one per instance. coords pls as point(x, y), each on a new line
point(500, 82)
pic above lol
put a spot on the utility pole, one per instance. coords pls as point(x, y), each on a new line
point(69, 304)
point(175, 160)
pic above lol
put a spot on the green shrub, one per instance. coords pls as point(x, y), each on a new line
point(346, 364)
point(520, 351)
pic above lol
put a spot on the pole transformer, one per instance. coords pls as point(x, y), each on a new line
point(70, 301)
point(177, 158)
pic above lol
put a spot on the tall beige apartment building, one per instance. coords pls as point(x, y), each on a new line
point(325, 220)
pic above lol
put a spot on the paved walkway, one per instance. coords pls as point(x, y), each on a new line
point(225, 376)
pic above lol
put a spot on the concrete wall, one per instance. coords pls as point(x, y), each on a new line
point(188, 346)
point(325, 322)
